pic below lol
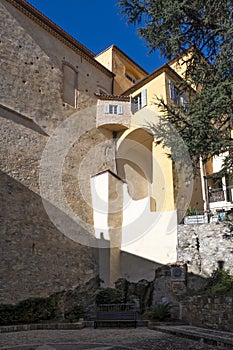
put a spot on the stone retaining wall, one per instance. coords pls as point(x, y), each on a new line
point(212, 312)
point(201, 246)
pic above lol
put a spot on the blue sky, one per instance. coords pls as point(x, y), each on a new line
point(97, 25)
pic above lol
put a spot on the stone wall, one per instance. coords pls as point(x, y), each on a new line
point(201, 246)
point(32, 69)
point(164, 285)
point(37, 257)
point(212, 312)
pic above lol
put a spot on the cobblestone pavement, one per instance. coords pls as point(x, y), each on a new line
point(98, 339)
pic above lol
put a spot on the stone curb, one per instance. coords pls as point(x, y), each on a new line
point(41, 326)
point(223, 340)
point(55, 326)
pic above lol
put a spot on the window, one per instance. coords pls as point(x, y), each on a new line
point(176, 95)
point(113, 109)
point(139, 101)
point(128, 76)
point(184, 99)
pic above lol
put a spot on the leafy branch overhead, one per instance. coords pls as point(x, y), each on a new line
point(203, 28)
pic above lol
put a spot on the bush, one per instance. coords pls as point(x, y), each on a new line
point(75, 313)
point(109, 296)
point(159, 312)
point(221, 282)
point(29, 311)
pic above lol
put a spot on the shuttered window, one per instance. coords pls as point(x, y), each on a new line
point(113, 109)
point(139, 101)
point(176, 95)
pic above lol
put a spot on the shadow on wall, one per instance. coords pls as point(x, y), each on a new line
point(136, 268)
point(36, 258)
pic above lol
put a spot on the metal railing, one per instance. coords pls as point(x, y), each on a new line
point(116, 307)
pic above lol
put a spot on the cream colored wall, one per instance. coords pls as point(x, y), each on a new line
point(148, 231)
point(100, 202)
point(151, 235)
point(162, 185)
point(180, 65)
point(155, 88)
point(105, 58)
point(107, 203)
point(162, 188)
point(166, 195)
point(115, 61)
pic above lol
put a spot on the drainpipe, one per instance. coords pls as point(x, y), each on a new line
point(114, 136)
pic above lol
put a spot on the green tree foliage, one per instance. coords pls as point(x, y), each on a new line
point(31, 310)
point(109, 296)
point(220, 283)
point(205, 27)
point(75, 313)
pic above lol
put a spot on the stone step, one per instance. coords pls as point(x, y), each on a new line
point(221, 339)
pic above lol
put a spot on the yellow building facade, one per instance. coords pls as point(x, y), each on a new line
point(155, 192)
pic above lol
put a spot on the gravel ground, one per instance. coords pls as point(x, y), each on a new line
point(101, 339)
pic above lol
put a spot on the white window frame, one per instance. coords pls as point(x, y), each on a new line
point(180, 98)
point(113, 109)
point(139, 101)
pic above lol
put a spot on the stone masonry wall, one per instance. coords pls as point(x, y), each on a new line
point(37, 257)
point(32, 71)
point(201, 246)
point(213, 312)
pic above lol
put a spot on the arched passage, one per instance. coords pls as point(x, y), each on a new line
point(134, 162)
point(149, 219)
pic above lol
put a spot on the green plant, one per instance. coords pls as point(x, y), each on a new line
point(75, 313)
point(221, 282)
point(109, 296)
point(159, 312)
point(29, 311)
point(191, 211)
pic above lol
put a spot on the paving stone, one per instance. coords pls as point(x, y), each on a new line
point(101, 339)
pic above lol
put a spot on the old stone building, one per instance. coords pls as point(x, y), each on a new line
point(46, 77)
point(48, 87)
point(84, 190)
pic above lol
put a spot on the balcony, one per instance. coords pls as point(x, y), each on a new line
point(113, 112)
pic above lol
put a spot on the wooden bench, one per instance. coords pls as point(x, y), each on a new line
point(116, 315)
